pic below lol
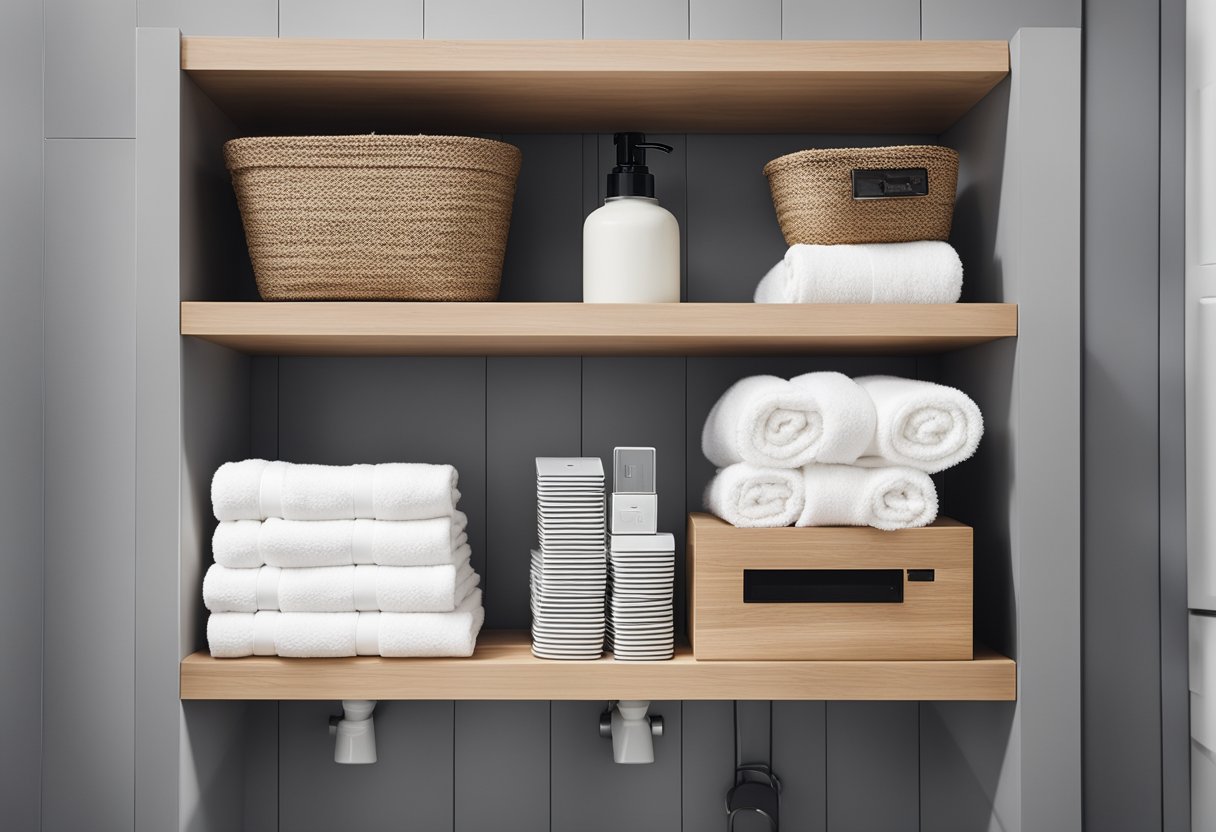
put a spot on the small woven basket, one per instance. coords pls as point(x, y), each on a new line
point(375, 217)
point(813, 193)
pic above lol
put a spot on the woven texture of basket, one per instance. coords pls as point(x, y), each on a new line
point(420, 218)
point(813, 195)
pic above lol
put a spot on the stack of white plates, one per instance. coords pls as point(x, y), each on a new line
point(569, 570)
point(641, 581)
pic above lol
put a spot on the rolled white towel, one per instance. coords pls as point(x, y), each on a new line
point(921, 424)
point(255, 489)
point(885, 498)
point(244, 544)
point(339, 588)
point(920, 272)
point(847, 415)
point(771, 422)
point(748, 496)
point(328, 634)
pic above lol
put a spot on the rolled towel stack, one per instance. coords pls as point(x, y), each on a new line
point(825, 450)
point(926, 271)
point(324, 561)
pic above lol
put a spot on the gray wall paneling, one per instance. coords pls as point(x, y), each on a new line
point(1025, 249)
point(994, 19)
point(544, 258)
point(633, 19)
point(502, 766)
point(21, 411)
point(535, 405)
point(214, 759)
point(865, 20)
point(249, 18)
point(89, 660)
point(1122, 615)
point(734, 20)
point(350, 19)
point(1175, 725)
point(498, 19)
point(873, 751)
point(707, 751)
point(89, 79)
point(799, 756)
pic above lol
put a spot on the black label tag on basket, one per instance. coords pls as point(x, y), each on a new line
point(890, 182)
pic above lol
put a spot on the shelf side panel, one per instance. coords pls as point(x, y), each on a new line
point(1018, 228)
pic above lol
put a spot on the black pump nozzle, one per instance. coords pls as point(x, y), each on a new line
point(631, 177)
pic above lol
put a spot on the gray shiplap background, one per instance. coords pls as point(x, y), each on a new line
point(852, 766)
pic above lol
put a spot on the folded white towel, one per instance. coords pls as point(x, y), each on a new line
point(333, 634)
point(244, 544)
point(921, 424)
point(749, 496)
point(771, 422)
point(255, 489)
point(339, 588)
point(919, 272)
point(885, 498)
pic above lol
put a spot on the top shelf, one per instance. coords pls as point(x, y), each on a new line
point(696, 86)
point(368, 328)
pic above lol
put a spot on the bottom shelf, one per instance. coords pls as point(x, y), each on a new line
point(503, 667)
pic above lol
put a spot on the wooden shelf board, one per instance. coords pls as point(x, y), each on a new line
point(597, 86)
point(503, 668)
point(593, 329)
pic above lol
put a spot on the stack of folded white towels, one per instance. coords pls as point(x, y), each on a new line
point(822, 449)
point(925, 271)
point(322, 561)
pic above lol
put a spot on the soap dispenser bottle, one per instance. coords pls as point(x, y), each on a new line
point(631, 245)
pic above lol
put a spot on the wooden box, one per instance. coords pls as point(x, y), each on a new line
point(829, 593)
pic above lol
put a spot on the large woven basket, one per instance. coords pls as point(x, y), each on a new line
point(375, 217)
point(816, 201)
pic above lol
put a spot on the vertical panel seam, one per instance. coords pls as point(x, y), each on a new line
point(43, 312)
point(681, 703)
point(551, 762)
point(485, 494)
point(1161, 729)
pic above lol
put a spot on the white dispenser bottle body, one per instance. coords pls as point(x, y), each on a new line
point(631, 253)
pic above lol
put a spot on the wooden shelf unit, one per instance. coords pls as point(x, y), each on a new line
point(596, 86)
point(503, 667)
point(594, 329)
point(297, 85)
